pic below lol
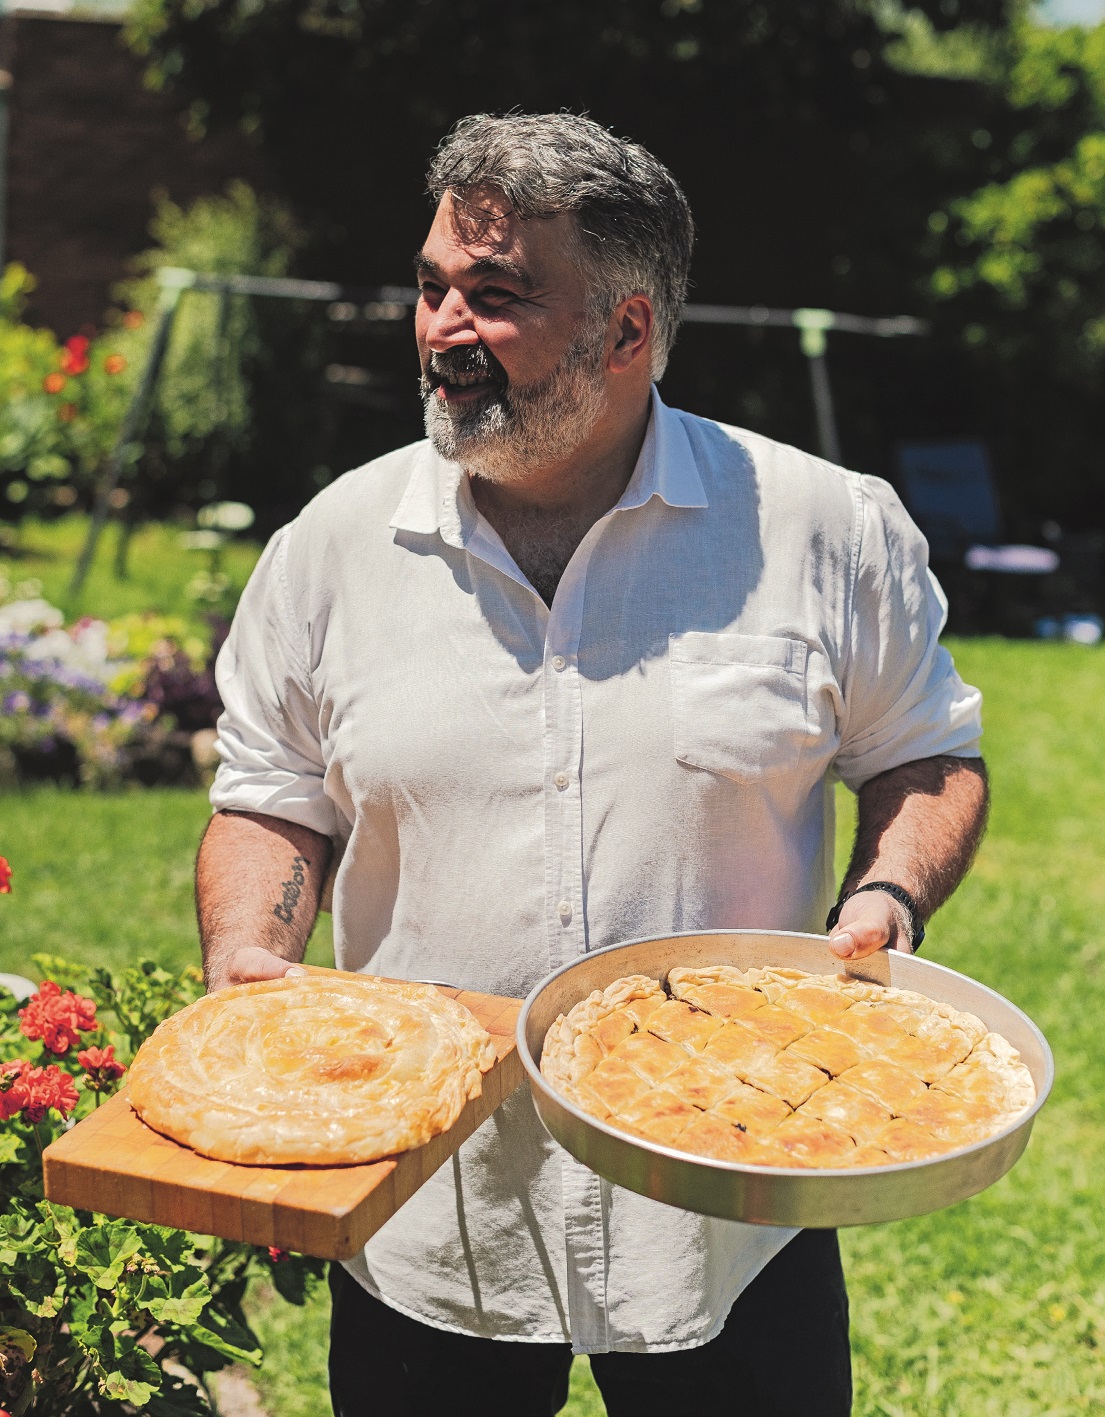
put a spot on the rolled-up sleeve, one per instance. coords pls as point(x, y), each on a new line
point(903, 699)
point(269, 739)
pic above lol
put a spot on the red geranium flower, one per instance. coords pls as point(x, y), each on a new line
point(54, 383)
point(74, 360)
point(14, 1092)
point(101, 1066)
point(49, 1087)
point(277, 1255)
point(115, 363)
point(5, 877)
point(55, 1016)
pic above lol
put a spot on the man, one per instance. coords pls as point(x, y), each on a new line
point(579, 668)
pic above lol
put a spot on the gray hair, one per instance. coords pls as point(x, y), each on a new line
point(635, 227)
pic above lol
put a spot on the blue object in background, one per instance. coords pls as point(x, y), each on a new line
point(949, 491)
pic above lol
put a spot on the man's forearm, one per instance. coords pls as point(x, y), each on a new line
point(258, 883)
point(919, 826)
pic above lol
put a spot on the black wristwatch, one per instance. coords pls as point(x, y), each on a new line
point(900, 894)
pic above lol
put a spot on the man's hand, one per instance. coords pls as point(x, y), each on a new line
point(867, 922)
point(258, 882)
point(919, 826)
point(251, 963)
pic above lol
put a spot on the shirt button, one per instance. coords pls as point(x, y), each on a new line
point(561, 780)
point(558, 662)
point(565, 909)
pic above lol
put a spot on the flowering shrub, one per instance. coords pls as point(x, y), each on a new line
point(100, 703)
point(60, 404)
point(58, 717)
point(100, 1315)
point(173, 666)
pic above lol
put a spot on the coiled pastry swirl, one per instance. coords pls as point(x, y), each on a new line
point(310, 1069)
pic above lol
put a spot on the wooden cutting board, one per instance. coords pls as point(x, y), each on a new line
point(113, 1163)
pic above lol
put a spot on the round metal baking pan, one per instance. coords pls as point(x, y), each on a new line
point(768, 1195)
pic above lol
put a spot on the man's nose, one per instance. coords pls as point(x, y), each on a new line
point(451, 324)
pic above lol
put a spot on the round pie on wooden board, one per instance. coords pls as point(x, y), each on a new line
point(312, 1069)
point(777, 1067)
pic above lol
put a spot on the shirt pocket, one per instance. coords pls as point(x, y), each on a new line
point(739, 703)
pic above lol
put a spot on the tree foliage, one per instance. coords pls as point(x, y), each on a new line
point(940, 158)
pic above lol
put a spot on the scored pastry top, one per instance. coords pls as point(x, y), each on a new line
point(323, 1070)
point(778, 1067)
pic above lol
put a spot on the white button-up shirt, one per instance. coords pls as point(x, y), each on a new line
point(510, 786)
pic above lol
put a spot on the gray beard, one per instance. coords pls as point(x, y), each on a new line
point(511, 432)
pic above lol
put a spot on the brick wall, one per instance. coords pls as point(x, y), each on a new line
point(88, 144)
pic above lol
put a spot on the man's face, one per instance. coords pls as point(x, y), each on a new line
point(512, 350)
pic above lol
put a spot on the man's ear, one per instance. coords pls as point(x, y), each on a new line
point(631, 326)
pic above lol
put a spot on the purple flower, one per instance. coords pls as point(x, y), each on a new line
point(19, 702)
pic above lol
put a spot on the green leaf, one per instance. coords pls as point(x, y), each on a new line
point(19, 1339)
point(124, 1371)
point(39, 1285)
point(11, 1148)
point(171, 1249)
point(225, 1336)
point(103, 1252)
point(68, 1227)
point(61, 971)
point(296, 1277)
point(178, 1399)
point(172, 1300)
point(20, 1231)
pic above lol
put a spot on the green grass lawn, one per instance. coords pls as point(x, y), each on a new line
point(159, 567)
point(996, 1306)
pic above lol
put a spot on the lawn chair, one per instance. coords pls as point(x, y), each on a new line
point(950, 493)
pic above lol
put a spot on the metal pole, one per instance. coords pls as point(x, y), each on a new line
point(813, 327)
point(134, 422)
point(5, 85)
point(827, 437)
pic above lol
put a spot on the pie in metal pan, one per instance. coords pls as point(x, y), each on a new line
point(322, 1070)
point(783, 1068)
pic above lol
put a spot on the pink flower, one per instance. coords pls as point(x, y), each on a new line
point(50, 1087)
point(34, 1091)
point(14, 1092)
point(5, 877)
point(55, 1016)
point(101, 1067)
point(277, 1255)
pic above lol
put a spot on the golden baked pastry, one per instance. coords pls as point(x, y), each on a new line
point(776, 1067)
point(324, 1070)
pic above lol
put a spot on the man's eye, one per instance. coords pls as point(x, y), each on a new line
point(496, 295)
point(430, 291)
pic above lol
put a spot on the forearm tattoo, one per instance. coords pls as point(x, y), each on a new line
point(292, 890)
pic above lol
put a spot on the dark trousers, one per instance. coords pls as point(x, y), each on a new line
point(782, 1353)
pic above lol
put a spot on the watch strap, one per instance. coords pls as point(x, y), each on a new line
point(900, 894)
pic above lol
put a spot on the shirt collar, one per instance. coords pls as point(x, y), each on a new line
point(438, 497)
